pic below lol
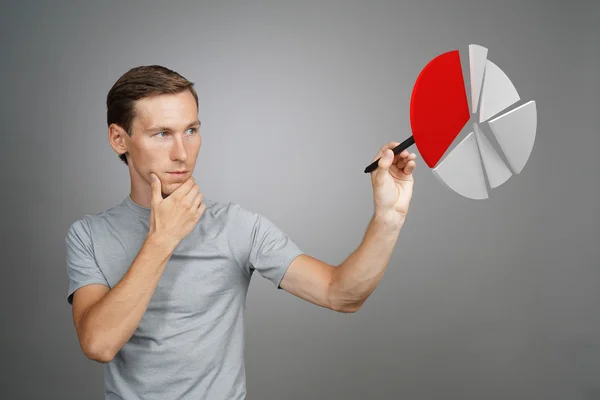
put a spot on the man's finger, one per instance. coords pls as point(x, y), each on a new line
point(185, 188)
point(390, 145)
point(156, 189)
point(405, 157)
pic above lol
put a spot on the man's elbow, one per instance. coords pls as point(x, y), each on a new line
point(341, 301)
point(346, 307)
point(96, 350)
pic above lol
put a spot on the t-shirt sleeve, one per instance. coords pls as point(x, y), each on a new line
point(82, 268)
point(264, 246)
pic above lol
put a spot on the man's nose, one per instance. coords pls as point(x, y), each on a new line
point(178, 152)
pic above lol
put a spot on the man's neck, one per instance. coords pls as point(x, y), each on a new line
point(140, 191)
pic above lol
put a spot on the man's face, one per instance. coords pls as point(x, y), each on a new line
point(166, 139)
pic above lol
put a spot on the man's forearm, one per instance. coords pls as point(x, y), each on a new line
point(358, 276)
point(111, 322)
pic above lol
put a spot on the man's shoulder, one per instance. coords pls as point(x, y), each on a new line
point(233, 215)
point(224, 209)
point(89, 224)
point(87, 219)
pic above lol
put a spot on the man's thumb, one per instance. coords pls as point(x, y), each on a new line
point(156, 188)
point(386, 159)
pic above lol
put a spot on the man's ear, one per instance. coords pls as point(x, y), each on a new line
point(116, 138)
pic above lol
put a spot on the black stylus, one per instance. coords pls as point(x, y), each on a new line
point(397, 150)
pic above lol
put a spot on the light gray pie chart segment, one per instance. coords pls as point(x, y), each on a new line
point(498, 92)
point(515, 132)
point(461, 170)
point(477, 59)
point(495, 169)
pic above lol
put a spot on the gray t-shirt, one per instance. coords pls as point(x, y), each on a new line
point(190, 342)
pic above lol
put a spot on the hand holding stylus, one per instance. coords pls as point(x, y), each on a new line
point(393, 181)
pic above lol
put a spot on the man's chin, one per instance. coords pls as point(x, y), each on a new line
point(168, 190)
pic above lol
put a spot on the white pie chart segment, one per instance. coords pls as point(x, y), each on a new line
point(477, 59)
point(515, 132)
point(461, 170)
point(498, 92)
point(495, 169)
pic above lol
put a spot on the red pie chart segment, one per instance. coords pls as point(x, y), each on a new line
point(439, 108)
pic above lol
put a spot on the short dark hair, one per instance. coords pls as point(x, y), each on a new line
point(137, 83)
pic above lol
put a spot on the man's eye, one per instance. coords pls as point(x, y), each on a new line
point(193, 130)
point(160, 133)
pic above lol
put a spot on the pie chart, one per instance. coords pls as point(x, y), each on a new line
point(439, 112)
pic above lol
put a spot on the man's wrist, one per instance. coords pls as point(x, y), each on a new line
point(390, 219)
point(157, 241)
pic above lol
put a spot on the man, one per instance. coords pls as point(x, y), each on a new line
point(158, 282)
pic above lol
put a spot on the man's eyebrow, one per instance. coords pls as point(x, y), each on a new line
point(164, 128)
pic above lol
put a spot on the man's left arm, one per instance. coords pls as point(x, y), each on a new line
point(346, 287)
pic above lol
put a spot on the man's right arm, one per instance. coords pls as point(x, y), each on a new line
point(106, 319)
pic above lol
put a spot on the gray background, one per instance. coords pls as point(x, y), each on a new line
point(494, 299)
